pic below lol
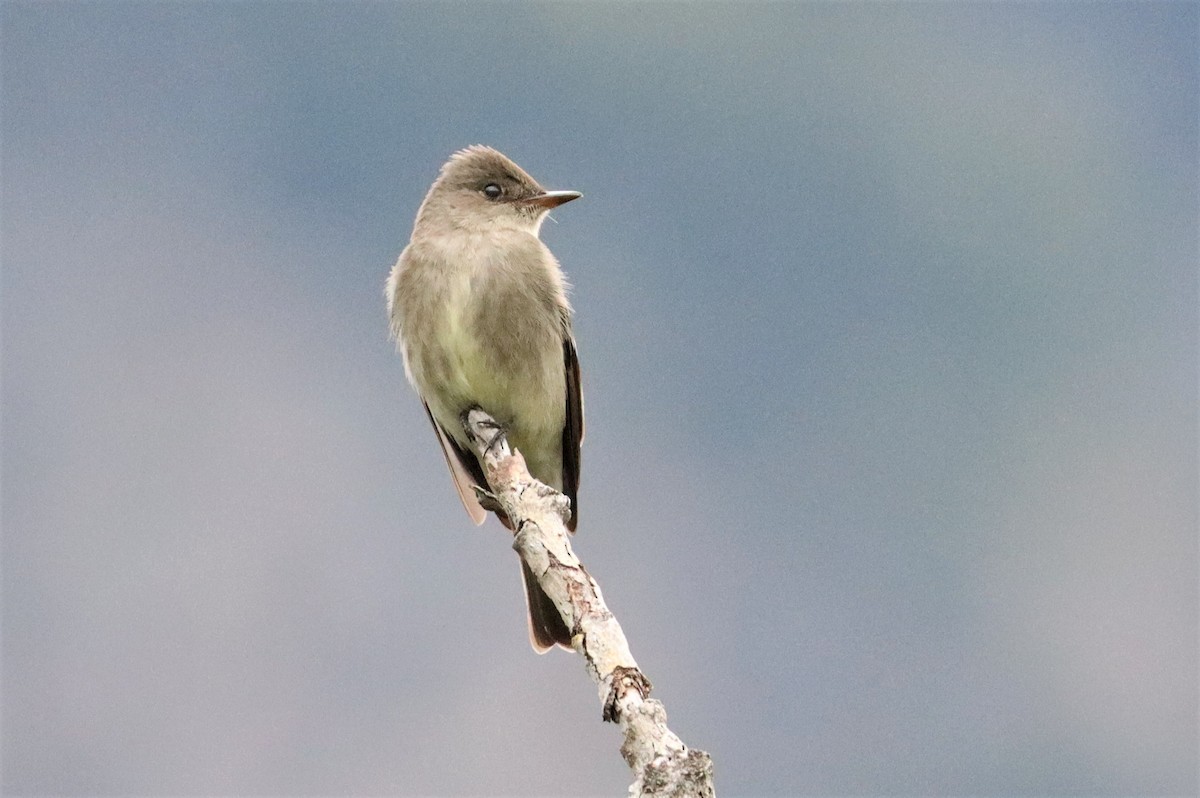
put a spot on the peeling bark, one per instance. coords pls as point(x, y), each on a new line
point(662, 765)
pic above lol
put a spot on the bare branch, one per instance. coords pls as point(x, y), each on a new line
point(662, 765)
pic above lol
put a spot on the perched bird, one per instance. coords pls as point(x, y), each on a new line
point(478, 306)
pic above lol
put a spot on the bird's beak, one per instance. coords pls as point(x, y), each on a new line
point(552, 199)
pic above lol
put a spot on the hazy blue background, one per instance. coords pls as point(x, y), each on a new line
point(888, 317)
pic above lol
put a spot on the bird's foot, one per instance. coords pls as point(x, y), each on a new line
point(482, 421)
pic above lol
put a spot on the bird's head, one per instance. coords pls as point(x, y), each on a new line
point(480, 189)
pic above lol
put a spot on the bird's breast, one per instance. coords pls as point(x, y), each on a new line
point(497, 338)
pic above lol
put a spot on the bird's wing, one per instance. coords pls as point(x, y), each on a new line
point(572, 436)
point(465, 470)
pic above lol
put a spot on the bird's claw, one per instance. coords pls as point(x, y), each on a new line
point(487, 422)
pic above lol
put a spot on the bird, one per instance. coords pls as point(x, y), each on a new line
point(478, 307)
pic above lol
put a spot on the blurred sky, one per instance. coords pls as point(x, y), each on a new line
point(888, 318)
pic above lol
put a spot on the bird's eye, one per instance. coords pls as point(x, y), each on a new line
point(492, 191)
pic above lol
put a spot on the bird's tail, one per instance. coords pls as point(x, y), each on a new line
point(546, 627)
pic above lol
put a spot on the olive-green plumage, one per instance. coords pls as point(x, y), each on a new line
point(478, 305)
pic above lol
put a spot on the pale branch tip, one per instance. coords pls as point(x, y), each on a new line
point(662, 765)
